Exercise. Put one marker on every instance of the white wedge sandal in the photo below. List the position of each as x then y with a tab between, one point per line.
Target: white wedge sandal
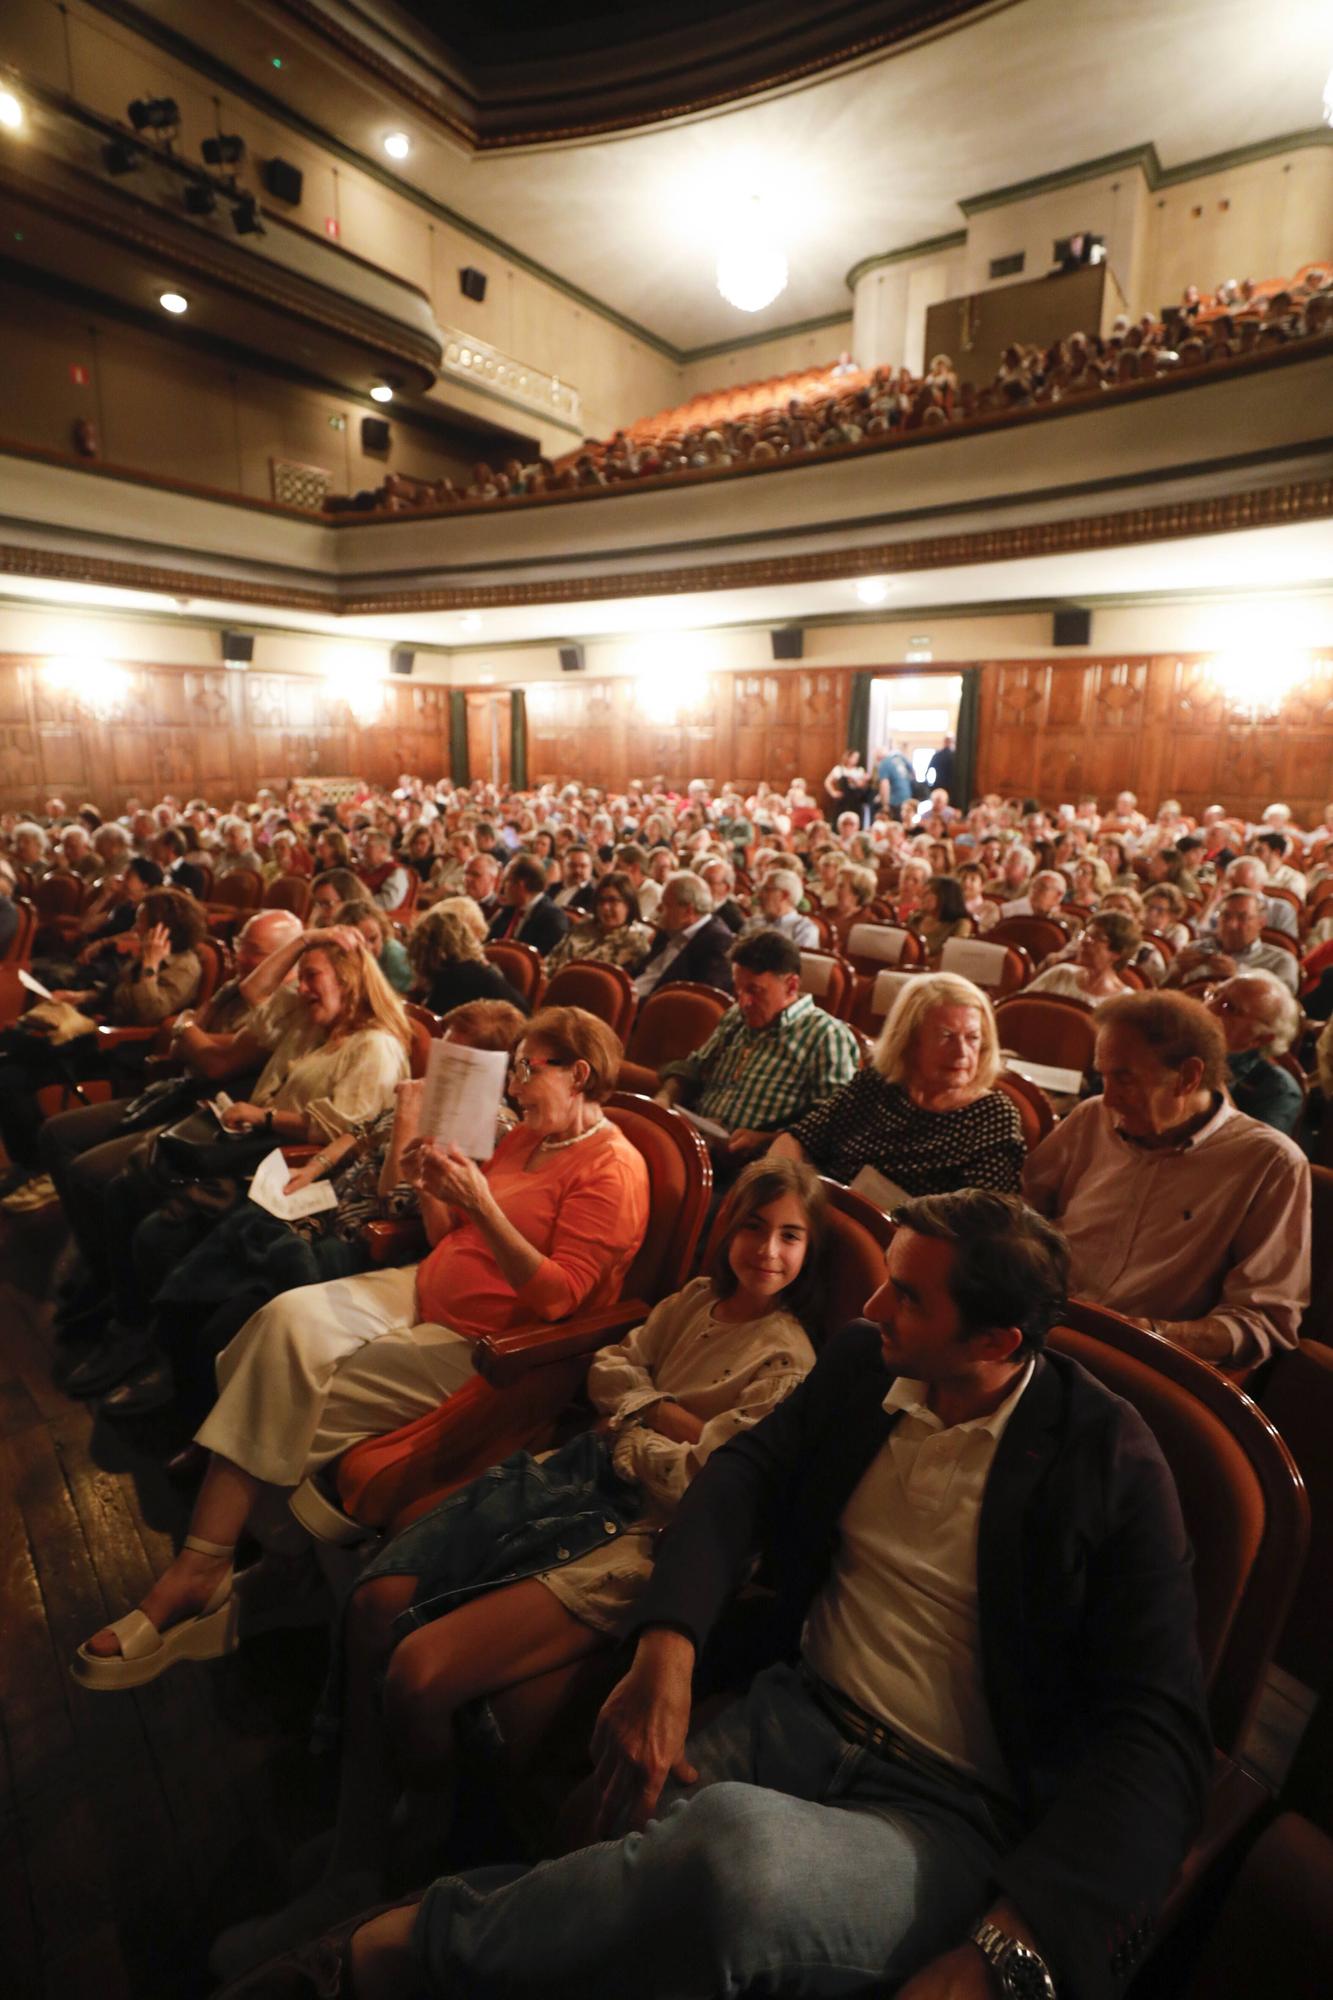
145	1652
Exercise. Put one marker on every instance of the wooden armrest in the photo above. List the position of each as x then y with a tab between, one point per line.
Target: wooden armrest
506	1357
396	1240
124	1038
297	1156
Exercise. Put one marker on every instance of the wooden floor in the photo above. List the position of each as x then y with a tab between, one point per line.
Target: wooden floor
133	1827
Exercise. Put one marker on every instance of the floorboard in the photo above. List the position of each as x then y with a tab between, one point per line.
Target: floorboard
133	1827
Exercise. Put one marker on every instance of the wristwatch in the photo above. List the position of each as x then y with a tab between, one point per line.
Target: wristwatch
1020	1972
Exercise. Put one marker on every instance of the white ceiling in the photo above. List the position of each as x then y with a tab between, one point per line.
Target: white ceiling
877	157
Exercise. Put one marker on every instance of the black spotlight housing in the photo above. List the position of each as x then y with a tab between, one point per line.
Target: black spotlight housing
154	114
226	150
245	217
121	156
200	199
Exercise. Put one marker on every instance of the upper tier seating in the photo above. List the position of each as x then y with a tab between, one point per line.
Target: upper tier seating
839	406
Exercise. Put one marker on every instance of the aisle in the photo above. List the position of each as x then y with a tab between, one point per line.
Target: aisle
132	1826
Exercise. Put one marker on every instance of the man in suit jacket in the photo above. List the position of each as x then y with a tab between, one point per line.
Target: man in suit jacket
577	891
527	915
982	1749
691	942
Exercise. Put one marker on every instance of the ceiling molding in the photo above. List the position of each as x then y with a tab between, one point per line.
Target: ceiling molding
933	246
792	332
1144	159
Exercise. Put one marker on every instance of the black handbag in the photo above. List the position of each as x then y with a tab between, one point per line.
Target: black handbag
199	1149
165	1099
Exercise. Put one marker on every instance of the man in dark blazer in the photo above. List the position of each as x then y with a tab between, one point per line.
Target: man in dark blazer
979	1750
691	942
527	915
577	891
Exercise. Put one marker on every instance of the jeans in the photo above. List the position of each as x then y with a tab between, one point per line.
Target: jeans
798	1864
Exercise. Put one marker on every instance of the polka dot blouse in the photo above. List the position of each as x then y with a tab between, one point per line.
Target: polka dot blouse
871	1123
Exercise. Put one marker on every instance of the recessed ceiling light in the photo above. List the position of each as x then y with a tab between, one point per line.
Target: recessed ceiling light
11	111
397	145
174	302
471	621
872	589
381	393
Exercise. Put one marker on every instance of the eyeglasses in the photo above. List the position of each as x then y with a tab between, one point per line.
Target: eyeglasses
524	1071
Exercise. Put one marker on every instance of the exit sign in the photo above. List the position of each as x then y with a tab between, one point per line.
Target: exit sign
78	374
331	227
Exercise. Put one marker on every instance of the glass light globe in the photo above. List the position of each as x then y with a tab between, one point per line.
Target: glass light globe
751	272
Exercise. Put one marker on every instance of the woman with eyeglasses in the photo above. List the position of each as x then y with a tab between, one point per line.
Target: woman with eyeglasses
613	934
549	1224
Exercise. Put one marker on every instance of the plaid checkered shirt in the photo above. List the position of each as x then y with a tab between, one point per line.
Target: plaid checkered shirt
762	1079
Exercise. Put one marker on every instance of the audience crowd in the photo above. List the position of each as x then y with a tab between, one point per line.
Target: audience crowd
824	409
1175	1189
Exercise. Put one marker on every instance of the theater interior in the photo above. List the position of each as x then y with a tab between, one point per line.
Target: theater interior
459	404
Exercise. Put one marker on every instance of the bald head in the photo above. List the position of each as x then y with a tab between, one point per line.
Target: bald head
267	931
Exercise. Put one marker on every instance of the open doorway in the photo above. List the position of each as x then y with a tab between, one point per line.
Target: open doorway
914	712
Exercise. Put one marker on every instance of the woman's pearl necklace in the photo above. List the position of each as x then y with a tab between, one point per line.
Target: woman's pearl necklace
555	1145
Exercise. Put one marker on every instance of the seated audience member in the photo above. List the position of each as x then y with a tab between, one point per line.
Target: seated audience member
1180	1211
942	915
526	914
385	948
1107	941
1247	872
235	855
445	946
551	1223
1271	848
336	1045
1235	946
449	869
328	893
856	891
252	1256
1045	893
1260	1021
925	1113
158	977
691	944
611	934
981	908
1035	1755
772	1057
778	909
1164	910
382	873
632	860
419	853
9	911
719	877
179	871
913	879
1114	851
706	1366
105	934
576	892
31	855
481	877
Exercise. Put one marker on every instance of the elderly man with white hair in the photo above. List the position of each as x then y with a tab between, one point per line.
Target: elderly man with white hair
1247	871
1045	893
778	900
1260	1020
692	943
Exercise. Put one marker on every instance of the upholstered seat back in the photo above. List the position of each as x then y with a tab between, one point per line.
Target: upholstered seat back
674	1022
521	965
997	968
604	990
829	980
678	1165
1043	1028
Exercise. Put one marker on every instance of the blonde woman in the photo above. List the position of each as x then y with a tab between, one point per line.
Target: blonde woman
925	1113
446	947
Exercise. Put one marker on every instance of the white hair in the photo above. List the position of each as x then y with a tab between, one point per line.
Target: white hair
691	890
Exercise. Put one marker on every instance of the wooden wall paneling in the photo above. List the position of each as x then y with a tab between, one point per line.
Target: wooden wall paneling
1008	753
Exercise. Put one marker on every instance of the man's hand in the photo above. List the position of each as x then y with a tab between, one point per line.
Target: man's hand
962	1974
743	1142
639	1738
244	1117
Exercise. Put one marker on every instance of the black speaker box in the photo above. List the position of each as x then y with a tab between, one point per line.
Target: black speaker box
788	642
1072	627
402	660
283	180
571	659
375	434
238	646
472	283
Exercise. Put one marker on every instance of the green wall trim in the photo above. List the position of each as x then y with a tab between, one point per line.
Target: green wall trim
797	327
1143	158
1241	156
930	246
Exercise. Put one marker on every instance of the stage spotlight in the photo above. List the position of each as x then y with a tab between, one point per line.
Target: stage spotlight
155	114
121	157
245	217
226	150
200	199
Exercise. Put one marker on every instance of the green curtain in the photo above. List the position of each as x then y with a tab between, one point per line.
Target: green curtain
965	742
858	718
458	765
518	741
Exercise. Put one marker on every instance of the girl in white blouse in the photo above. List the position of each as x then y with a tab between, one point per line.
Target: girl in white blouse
540	1562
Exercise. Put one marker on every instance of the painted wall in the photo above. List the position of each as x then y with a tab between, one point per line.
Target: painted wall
1264	219
786	355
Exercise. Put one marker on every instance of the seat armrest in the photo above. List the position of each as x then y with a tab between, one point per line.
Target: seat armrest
1234	1799
395	1240
124	1038
299	1156
506	1357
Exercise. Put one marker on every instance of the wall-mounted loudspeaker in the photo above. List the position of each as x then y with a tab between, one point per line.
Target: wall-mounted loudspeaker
238	648
375	434
401	660
472	283
788	642
283	180
1072	627
571	659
